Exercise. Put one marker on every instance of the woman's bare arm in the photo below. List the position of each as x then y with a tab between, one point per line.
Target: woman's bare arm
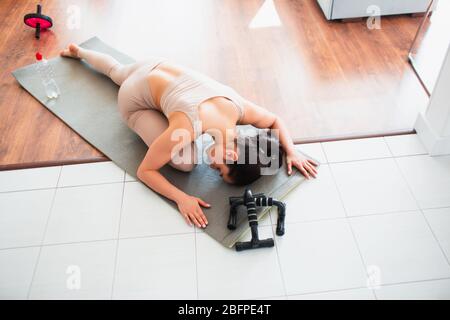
264	119
159	154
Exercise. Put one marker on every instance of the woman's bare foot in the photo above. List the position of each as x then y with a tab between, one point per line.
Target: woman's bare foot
72	51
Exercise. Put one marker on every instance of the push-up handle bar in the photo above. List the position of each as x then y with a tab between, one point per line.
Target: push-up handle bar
252	202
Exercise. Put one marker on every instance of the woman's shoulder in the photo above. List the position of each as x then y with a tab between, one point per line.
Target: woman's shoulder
180	125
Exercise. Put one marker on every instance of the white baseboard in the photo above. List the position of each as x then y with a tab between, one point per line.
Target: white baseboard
435	144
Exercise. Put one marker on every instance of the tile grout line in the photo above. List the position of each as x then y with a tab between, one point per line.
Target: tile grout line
97	240
270	216
118	239
358	216
347	218
43	237
413	282
157	235
421	210
267	297
378	158
360	160
390	284
283	281
422	213
389	148
185	233
383	285
90	184
404	155
326	291
357	288
131	181
324	154
196	261
65	187
435	237
355	239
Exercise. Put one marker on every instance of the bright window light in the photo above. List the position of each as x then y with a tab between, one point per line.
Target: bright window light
267	16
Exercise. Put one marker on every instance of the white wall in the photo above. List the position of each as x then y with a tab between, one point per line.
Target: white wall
440	100
433	126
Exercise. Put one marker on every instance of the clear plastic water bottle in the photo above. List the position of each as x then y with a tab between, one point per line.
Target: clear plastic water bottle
44	69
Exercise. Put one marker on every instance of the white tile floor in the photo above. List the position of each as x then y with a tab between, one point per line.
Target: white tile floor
374	225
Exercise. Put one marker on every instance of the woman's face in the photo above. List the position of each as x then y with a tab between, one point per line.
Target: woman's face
217	157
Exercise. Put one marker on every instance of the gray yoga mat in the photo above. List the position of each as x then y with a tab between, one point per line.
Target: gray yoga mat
88	104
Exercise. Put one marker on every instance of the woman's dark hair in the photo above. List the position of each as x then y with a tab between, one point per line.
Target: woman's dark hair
258	154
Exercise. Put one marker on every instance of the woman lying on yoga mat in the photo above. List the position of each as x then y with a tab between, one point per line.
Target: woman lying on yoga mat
165	103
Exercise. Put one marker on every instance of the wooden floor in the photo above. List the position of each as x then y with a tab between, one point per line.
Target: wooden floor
328	80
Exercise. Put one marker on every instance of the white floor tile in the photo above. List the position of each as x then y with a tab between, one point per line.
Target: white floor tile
426	290
405	145
16	272
129	178
266	220
320	256
373	186
273	298
85	213
354	294
313	200
319	260
146	214
226	274
313	150
356	149
439	220
90	173
75	271
401	247
160	267
23	217
27	179
429	179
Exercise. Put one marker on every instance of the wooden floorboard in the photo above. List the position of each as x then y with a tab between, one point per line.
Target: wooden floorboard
328	80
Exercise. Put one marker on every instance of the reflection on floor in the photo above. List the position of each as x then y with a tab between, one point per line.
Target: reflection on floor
374	225
430	48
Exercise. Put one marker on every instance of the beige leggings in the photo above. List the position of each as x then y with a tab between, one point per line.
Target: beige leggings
135	102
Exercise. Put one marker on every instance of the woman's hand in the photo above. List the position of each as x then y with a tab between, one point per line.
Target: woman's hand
190	209
306	166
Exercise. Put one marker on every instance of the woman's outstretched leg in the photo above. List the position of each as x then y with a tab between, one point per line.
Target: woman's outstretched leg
101	62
